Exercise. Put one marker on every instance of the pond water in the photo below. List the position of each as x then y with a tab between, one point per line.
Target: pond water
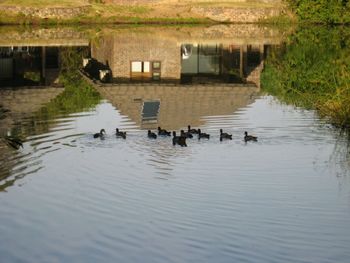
67	197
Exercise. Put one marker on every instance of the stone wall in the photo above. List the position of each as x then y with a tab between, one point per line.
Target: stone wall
55	36
236	15
52	12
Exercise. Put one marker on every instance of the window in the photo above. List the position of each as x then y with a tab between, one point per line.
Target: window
156	76
156	65
150	111
136	66
145	70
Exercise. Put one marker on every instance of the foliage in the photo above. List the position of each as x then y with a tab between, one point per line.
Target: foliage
78	94
322	11
312	70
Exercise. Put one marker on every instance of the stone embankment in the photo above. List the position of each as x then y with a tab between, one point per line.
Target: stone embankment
233	11
57	36
46	12
236	15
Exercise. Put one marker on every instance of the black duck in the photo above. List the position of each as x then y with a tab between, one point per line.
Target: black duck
180	140
248	138
224	135
151	135
120	133
163	132
186	134
13	142
100	134
193	131
202	135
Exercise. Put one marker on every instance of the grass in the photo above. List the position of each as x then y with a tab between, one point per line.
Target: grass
20	19
312	70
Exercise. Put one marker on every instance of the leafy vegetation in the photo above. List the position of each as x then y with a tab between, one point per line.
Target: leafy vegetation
322	11
312	70
78	95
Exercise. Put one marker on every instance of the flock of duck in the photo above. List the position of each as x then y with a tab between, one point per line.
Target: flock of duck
181	139
16	143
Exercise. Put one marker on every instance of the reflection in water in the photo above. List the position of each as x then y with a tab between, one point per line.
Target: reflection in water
95	200
174	106
183	57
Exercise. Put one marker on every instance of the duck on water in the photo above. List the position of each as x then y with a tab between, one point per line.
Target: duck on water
120	133
203	135
248	138
163	132
100	134
193	131
151	135
180	140
224	135
13	142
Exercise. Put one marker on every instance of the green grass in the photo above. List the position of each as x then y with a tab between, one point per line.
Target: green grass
313	71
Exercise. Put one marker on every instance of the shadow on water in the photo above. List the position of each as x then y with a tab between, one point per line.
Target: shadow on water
40	106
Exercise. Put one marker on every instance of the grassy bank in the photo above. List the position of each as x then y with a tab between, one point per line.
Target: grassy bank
312	71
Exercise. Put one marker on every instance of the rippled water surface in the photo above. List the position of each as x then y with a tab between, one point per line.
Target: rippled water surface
79	199
67	197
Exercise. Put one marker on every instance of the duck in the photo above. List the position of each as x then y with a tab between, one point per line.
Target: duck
13	142
249	137
202	135
120	133
151	135
180	140
224	135
100	134
163	132
186	134
193	131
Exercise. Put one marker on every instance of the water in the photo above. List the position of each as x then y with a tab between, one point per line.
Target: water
67	197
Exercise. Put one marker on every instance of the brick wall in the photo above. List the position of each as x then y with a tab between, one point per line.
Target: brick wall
120	49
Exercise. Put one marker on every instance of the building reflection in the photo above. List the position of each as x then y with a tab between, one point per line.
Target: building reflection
139	58
173	81
26	65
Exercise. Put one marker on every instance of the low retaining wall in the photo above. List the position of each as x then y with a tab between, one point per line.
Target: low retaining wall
236	15
52	12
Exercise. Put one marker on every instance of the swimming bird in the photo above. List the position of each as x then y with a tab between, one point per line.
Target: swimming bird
249	137
120	133
186	134
100	134
13	142
202	135
151	135
194	131
180	140
163	132
224	135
